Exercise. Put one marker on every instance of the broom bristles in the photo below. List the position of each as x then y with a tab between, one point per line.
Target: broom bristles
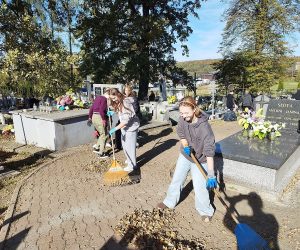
115	164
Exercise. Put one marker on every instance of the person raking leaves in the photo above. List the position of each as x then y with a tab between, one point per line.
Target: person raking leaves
98	117
129	124
196	136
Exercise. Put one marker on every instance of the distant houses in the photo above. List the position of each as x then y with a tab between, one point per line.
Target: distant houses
206	78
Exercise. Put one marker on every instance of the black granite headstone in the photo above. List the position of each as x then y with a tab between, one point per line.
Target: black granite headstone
284	111
265	153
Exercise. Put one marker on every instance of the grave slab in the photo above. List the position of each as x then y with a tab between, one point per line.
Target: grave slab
264	164
54	131
261	164
265	153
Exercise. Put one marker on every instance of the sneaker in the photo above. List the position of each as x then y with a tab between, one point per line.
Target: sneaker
95	146
108	145
96	150
128	169
161	205
103	155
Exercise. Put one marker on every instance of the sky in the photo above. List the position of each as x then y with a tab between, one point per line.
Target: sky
205	40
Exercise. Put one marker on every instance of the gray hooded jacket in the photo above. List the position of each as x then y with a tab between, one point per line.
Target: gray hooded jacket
128	116
199	136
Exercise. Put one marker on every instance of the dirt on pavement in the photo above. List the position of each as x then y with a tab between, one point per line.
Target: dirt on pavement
65	206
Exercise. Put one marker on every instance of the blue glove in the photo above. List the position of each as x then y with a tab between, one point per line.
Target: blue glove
211	183
187	150
110	113
113	130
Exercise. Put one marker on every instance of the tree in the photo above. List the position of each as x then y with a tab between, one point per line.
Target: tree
231	70
258	28
21	28
36	73
32	60
124	40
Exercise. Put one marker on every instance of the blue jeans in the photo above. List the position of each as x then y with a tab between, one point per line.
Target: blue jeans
202	202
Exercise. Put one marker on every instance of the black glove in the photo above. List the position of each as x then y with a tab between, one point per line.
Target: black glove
89	122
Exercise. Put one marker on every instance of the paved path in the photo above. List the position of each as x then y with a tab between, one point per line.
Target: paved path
65	206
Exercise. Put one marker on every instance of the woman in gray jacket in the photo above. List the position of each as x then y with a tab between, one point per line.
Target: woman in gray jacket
129	124
195	136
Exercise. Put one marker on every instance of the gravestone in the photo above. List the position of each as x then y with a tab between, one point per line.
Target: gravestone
284	111
261	101
264	164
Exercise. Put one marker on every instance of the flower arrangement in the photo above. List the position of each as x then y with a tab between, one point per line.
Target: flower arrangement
8	129
171	99
254	123
70	99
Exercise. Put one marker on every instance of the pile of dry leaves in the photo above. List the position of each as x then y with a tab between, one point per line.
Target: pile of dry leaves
145	229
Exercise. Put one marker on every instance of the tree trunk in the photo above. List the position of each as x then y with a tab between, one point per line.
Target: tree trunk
144	77
144	64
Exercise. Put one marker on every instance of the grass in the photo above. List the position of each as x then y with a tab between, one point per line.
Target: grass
289	86
201	91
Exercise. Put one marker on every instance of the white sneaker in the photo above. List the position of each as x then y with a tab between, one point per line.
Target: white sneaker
95	146
108	145
128	169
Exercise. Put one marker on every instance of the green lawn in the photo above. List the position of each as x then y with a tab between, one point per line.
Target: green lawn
288	85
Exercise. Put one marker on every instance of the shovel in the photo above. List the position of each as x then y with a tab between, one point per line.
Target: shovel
247	238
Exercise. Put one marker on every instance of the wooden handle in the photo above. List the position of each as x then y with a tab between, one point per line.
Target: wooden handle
215	190
112	141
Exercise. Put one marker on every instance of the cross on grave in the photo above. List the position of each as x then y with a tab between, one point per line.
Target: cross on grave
261	101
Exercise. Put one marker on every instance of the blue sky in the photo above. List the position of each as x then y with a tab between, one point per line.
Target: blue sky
205	40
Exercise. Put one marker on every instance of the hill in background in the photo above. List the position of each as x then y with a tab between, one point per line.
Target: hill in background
198	66
206	66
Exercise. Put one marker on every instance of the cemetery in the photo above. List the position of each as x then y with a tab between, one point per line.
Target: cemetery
149	125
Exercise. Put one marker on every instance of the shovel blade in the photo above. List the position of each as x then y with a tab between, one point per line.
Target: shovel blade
248	239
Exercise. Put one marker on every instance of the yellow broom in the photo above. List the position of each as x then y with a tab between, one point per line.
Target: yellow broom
115	175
